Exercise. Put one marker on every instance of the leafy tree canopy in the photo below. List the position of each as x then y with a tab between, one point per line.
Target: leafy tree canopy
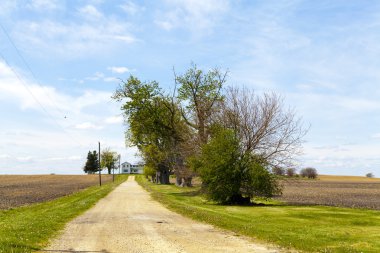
231	176
108	159
155	124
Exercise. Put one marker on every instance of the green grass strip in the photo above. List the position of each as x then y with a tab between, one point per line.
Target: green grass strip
304	228
29	228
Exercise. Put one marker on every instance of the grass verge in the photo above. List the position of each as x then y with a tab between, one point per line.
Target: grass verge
304	228
27	229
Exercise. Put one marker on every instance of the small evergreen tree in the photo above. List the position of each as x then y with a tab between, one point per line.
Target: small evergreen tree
92	163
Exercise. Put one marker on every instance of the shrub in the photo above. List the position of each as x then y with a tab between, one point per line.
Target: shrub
290	172
370	175
230	176
149	173
309	173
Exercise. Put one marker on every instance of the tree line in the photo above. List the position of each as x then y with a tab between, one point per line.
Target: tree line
231	137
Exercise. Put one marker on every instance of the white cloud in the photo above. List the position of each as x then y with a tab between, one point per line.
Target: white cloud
28	95
118	70
74	157
166	25
111	79
192	14
43	5
5	156
7	7
131	8
97	76
90	12
25	158
87	125
358	104
63	158
73	39
342	159
125	38
114	120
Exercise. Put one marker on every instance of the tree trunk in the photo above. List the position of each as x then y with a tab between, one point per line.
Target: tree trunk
238	199
162	175
178	180
187	182
157	177
201	130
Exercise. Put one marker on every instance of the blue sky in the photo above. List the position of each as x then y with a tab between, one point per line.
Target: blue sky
64	60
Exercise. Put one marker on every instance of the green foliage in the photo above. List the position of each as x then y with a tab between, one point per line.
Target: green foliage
149	172
370	175
219	167
200	88
108	159
200	94
229	175
92	163
259	182
155	124
139	109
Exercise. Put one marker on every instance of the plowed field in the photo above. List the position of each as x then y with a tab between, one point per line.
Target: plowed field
358	192
22	190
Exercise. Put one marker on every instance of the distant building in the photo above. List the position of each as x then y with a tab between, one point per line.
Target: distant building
128	168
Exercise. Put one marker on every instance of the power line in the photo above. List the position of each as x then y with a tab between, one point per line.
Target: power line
27	65
27	88
38	102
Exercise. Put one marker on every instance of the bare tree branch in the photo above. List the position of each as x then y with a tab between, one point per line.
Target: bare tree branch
263	126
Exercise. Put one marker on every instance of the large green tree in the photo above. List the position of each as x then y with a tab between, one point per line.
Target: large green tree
200	94
92	163
155	125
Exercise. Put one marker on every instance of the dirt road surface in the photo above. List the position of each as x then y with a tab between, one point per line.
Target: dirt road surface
128	220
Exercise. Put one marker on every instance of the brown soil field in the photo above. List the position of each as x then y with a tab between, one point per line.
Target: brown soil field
19	190
344	191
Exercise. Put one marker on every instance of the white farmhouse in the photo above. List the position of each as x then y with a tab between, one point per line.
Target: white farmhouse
128	168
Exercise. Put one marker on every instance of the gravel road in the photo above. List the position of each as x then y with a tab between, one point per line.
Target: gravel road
128	220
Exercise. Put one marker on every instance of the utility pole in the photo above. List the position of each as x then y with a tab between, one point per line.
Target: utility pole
100	171
119	163
113	171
